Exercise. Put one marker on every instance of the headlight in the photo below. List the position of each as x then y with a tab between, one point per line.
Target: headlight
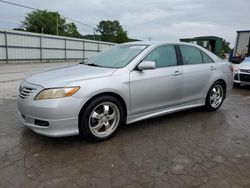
236	69
57	93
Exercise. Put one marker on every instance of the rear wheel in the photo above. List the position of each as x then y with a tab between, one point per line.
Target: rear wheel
215	96
101	119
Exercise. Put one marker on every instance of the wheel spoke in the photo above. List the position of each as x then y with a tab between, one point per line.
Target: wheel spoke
217	102
106	109
214	90
95	115
212	98
107	125
98	126
218	92
111	116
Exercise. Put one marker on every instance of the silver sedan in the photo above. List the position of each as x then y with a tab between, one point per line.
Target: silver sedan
122	85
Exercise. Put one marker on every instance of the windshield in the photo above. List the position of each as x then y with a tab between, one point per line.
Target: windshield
117	56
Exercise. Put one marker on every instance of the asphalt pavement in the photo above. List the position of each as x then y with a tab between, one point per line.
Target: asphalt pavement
193	148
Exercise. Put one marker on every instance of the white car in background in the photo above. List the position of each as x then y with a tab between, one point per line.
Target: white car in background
242	73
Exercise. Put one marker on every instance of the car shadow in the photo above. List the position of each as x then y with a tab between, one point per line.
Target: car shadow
245	87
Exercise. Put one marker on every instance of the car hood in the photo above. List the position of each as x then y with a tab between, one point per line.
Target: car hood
244	65
62	76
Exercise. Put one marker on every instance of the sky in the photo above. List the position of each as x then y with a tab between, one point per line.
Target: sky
161	20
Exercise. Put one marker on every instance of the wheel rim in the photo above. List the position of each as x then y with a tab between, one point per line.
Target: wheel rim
216	96
104	119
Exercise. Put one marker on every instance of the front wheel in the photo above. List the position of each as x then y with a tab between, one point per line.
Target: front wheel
101	118
215	96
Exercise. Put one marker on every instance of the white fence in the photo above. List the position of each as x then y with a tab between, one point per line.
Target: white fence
16	46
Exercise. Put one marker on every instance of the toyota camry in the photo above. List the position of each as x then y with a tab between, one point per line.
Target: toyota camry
124	84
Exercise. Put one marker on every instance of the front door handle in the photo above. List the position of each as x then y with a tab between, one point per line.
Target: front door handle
177	73
212	68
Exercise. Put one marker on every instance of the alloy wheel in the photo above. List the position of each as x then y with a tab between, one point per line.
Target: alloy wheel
216	96
104	119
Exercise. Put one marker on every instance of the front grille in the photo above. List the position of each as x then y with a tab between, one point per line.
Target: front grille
245	77
25	92
236	77
245	70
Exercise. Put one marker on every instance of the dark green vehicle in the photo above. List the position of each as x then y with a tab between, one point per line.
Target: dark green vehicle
211	43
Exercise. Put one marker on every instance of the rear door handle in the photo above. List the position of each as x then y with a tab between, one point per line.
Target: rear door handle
177	73
212	68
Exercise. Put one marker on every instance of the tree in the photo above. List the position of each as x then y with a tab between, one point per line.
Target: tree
19	29
225	46
42	21
71	30
121	36
112	31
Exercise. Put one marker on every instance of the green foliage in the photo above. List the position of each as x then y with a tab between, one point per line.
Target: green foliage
112	31
225	46
42	21
121	36
19	29
71	30
92	37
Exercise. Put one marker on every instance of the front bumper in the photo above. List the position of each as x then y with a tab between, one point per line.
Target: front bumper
60	115
56	128
242	78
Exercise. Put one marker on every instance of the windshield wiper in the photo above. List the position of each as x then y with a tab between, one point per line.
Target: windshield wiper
92	64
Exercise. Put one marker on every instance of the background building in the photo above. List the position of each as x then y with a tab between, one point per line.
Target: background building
242	43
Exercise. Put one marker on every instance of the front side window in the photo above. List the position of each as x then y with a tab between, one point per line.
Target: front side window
191	55
163	56
117	56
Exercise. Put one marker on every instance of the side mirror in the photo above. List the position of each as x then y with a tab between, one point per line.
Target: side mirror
146	65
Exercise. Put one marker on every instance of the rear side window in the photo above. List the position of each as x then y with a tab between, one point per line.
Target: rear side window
206	58
191	55
163	56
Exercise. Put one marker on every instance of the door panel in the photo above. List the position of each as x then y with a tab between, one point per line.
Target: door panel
197	72
196	79
158	88
154	89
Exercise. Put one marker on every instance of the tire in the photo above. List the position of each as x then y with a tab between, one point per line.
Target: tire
215	96
101	119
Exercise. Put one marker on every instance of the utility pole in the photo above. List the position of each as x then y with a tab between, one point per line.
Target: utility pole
94	33
57	23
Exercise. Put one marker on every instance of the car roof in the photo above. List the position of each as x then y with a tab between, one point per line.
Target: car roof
155	43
